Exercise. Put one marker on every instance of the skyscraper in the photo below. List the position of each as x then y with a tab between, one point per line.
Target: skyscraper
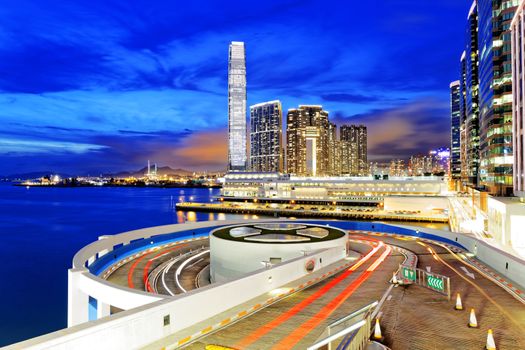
455	116
471	108
463	118
354	150
495	94
518	119
334	152
266	154
307	146
237	107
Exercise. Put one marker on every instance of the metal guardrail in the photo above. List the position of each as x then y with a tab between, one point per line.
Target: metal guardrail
359	331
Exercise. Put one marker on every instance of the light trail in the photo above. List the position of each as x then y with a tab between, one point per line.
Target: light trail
145	272
181	267
263	330
135	264
306	327
478	288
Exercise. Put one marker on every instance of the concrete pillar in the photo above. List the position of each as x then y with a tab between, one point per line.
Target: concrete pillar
103	309
77	301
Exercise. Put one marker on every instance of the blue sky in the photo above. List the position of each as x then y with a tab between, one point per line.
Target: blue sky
100	86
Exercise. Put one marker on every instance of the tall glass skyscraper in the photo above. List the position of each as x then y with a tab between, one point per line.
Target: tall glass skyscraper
237	107
463	117
455	116
266	153
518	101
471	98
495	97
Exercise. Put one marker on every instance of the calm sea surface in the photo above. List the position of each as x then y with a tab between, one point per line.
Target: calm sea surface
42	228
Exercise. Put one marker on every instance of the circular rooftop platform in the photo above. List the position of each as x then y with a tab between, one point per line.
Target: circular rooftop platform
283	233
240	249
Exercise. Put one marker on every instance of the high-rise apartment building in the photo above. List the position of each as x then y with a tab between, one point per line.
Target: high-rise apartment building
397	168
237	155
518	90
266	151
495	94
307	146
455	118
420	165
353	139
334	147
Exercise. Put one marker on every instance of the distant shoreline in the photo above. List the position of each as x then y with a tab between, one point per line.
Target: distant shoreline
114	185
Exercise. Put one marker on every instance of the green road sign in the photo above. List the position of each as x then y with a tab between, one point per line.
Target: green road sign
435	283
409	274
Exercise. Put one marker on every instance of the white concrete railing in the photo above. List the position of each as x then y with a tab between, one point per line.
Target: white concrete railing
82	284
145	324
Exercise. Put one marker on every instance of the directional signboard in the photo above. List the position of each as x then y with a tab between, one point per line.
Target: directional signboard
409	274
435	283
424	278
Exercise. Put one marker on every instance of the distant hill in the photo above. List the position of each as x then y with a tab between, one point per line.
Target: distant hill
33	175
164	170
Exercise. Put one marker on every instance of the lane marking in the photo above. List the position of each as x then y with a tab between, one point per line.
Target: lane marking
264	329
306	327
467	272
480	290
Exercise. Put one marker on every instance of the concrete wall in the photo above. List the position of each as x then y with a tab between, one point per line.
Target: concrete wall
140	326
506	221
232	259
135	328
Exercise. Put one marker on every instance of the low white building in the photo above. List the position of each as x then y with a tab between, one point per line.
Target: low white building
274	185
506	222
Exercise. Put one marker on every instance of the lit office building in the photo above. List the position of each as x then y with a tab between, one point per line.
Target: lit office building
470	86
266	153
307	146
237	157
495	94
463	118
518	119
440	160
353	140
455	118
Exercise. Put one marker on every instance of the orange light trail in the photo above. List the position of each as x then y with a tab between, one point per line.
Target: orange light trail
300	332
261	331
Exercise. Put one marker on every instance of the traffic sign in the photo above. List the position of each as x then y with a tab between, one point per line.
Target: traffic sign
435	283
409	274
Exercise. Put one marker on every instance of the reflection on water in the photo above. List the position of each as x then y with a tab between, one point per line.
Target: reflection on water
191	216
180	217
431	225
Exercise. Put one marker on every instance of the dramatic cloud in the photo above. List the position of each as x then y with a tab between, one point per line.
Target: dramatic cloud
105	85
405	130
